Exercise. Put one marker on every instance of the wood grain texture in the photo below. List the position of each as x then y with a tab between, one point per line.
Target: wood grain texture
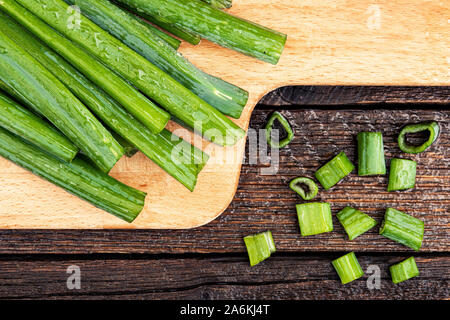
266	202
375	96
217	277
341	42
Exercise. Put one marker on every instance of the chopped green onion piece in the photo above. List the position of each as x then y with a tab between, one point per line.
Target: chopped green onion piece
432	127
297	186
286	126
404	270
403	228
334	171
355	222
314	218
348	268
402	175
259	247
371	154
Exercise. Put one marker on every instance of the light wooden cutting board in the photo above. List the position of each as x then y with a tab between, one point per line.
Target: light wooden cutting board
345	42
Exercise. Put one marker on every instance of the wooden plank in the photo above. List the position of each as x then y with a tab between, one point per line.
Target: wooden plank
218	277
337	42
265	202
348	95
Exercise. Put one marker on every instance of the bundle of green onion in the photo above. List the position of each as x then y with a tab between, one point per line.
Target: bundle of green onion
86	76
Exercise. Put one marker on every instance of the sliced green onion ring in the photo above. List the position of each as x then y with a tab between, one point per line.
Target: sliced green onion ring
298	186
286	126
432	127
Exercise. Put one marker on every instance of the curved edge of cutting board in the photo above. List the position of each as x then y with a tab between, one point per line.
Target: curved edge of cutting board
224	204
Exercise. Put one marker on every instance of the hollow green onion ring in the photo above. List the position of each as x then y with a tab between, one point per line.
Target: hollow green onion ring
312	189
286	126
432	127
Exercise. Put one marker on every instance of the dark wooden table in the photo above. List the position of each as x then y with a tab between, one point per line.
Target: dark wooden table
211	263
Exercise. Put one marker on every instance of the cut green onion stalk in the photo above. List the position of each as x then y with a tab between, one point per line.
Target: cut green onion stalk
404	270
160	148
402	175
299	184
220	4
33	129
78	177
314	218
217	26
403	228
286	126
433	129
225	97
348	268
259	247
151	80
334	171
22	72
371	154
355	222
